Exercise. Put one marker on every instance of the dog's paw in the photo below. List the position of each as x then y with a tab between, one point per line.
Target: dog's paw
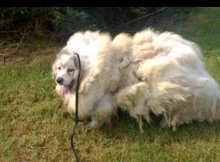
164	124
140	123
95	124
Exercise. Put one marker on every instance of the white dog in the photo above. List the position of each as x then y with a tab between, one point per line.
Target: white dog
98	80
150	72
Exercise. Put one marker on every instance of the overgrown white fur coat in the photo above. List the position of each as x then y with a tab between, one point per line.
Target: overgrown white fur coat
154	72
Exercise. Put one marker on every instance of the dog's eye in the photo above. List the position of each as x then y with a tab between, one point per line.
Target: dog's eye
70	70
59	68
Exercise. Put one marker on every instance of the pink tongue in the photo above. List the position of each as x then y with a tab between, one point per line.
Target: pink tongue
65	90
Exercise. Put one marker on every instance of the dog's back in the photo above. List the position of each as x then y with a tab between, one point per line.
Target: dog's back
177	85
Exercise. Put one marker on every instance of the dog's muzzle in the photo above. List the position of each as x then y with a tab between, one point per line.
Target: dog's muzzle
59	80
64	89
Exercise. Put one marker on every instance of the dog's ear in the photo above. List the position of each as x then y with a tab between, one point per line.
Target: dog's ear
75	59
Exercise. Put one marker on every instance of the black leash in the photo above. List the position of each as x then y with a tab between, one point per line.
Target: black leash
76	113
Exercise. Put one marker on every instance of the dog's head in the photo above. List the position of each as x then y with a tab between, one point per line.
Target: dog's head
65	72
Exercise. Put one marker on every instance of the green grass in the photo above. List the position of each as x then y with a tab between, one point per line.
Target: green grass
33	126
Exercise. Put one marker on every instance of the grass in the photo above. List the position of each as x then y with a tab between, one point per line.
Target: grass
34	128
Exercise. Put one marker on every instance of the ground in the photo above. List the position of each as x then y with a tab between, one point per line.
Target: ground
34	126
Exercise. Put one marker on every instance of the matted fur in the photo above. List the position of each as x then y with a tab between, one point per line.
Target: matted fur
173	81
154	72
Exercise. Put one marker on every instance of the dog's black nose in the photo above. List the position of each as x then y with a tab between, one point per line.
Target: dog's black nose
59	80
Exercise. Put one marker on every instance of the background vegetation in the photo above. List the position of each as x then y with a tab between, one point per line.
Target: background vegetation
60	22
33	125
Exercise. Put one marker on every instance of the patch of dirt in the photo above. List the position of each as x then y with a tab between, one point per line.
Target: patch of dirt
13	58
26	56
22	47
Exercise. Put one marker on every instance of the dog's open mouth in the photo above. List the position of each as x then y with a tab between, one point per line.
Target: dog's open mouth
65	90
